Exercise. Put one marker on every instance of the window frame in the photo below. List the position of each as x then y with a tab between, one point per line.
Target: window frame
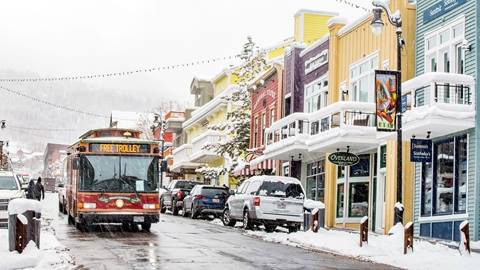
357	76
318	93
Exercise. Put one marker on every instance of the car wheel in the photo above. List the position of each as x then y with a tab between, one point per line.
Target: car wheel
294	228
270	227
227	219
247	222
174	208
163	209
193	213
146	226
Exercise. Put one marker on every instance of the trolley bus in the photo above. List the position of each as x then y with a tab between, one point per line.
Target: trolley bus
112	177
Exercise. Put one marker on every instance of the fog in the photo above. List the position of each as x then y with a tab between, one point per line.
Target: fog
68	38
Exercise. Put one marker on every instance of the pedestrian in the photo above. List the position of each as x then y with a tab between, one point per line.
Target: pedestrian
31	189
39	191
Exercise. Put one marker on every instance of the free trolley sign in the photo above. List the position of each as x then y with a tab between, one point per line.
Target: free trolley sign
420	150
343	159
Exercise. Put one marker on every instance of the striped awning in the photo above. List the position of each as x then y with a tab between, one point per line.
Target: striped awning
262	166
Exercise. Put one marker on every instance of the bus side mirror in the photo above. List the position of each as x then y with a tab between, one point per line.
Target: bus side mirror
163	166
76	163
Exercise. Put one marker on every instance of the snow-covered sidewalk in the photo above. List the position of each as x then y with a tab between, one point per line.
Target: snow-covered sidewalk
51	255
385	249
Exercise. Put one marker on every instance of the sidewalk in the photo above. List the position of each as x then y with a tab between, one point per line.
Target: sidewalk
51	255
386	249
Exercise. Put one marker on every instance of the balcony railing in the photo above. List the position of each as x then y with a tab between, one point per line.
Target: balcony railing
439	88
338	115
182	153
198	144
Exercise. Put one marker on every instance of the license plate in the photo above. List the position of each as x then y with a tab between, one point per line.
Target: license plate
138	219
216	200
281	205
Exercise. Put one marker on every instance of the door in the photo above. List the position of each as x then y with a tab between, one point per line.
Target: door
380	203
236	201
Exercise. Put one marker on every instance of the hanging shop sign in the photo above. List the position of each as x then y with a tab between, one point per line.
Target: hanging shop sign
440	8
386	89
420	150
343	159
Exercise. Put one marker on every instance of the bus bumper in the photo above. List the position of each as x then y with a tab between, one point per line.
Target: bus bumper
90	218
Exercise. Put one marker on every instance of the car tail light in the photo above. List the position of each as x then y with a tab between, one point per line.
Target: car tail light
199	197
180	195
256	201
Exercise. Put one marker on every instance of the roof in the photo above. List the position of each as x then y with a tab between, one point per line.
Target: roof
273	178
118	140
314	45
90	132
316	12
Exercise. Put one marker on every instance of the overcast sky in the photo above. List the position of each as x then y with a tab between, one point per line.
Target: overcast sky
81	37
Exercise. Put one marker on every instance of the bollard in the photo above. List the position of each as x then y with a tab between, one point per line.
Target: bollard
23	228
363	230
314	220
21	235
465	235
408	237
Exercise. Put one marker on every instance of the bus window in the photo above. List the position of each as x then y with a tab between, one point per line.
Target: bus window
119	173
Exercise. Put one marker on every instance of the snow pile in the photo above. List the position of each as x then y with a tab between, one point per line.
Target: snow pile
386	249
311	204
20	206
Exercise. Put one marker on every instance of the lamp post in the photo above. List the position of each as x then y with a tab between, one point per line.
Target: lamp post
158	122
377	25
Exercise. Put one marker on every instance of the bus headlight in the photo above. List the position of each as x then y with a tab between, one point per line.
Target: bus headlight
89	205
119	203
149	206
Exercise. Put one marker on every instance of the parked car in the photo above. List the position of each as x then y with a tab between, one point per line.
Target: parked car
270	201
62	198
172	198
205	200
10	188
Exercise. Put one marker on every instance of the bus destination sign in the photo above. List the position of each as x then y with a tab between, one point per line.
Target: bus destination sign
119	148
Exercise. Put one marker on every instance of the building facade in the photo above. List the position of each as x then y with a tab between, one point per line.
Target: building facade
341	118
443	95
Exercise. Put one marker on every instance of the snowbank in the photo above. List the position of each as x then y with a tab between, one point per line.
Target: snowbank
386	249
311	204
20	206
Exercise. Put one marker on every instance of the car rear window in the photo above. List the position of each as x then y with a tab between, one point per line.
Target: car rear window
185	185
281	189
8	183
211	192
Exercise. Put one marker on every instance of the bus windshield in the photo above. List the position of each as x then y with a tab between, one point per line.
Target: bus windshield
119	173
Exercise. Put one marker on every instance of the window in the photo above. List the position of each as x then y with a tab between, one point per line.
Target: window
358	199
316	94
443	51
255	132
272	117
340	200
444	183
316	180
263	126
362	79
362	168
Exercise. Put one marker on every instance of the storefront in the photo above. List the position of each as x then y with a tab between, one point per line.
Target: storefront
445	188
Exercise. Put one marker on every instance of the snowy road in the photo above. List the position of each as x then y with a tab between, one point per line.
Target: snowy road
180	243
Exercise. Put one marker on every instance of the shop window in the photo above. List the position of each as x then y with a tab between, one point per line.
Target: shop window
383	156
340	200
358	199
445	181
316	180
427	188
362	168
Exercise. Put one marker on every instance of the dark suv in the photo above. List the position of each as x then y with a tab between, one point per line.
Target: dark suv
205	200
172	198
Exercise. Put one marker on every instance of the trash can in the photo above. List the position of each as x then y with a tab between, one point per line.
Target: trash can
24	222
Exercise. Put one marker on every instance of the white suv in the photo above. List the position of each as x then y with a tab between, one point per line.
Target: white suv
10	188
267	200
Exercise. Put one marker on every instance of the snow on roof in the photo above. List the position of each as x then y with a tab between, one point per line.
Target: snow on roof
272	178
337	20
317	12
20	206
315	44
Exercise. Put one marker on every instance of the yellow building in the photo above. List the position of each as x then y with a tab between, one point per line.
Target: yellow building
343	119
189	157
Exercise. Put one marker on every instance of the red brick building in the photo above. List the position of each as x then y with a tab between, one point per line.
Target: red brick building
266	108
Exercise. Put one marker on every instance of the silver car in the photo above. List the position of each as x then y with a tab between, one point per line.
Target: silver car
270	201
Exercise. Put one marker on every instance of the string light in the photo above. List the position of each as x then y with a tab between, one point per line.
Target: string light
58	106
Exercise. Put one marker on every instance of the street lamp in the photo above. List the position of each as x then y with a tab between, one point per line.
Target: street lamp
158	122
377	25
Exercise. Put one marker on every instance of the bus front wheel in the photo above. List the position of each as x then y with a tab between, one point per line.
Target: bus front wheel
146	226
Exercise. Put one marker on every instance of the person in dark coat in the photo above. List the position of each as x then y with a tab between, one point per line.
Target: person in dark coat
39	191
30	189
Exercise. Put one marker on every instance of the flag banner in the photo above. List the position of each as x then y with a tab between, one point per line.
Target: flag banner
386	87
